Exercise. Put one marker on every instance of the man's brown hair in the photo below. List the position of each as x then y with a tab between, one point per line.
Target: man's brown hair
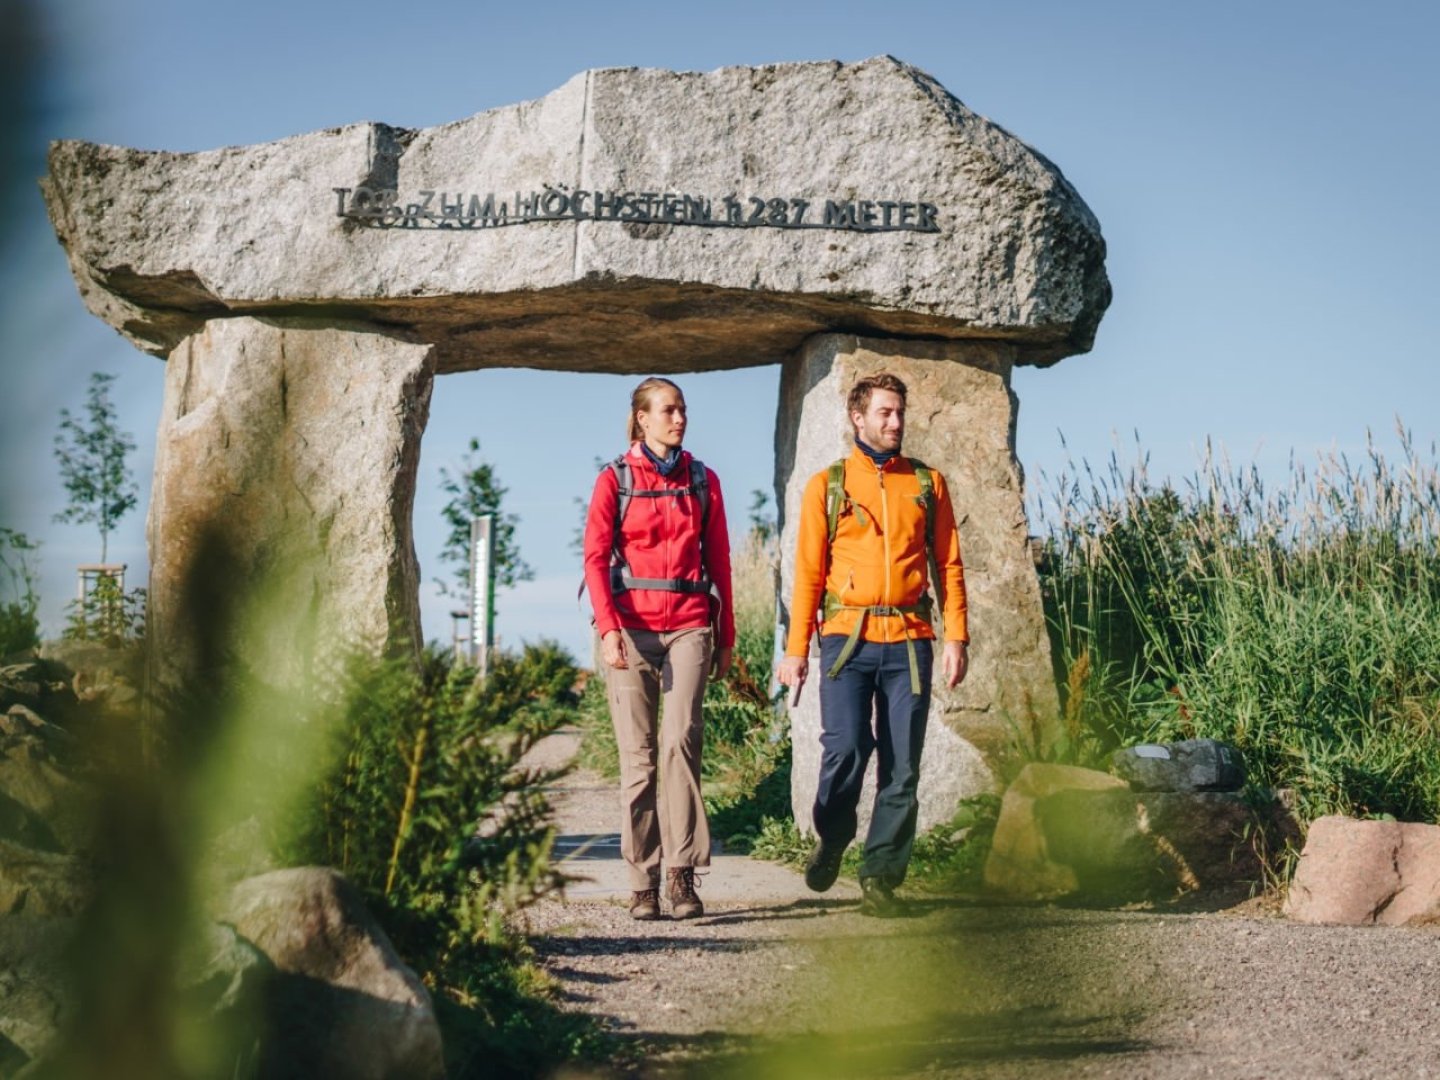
860	393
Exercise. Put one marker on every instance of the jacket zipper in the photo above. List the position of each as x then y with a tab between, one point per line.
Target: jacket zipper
885	530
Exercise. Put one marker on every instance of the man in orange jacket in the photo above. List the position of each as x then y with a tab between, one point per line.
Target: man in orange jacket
870	528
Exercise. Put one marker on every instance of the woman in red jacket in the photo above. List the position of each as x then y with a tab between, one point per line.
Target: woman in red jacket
657	564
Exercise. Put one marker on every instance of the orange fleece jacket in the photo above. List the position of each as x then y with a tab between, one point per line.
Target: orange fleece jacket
878	556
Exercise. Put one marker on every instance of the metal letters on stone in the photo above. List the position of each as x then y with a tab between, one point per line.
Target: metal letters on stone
384	208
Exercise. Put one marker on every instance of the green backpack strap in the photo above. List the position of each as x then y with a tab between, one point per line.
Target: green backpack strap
926	499
835	499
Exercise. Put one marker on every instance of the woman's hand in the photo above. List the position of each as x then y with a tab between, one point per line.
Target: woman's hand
612	650
723	656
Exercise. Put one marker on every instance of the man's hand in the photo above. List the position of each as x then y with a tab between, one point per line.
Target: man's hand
792	673
612	650
723	656
957	661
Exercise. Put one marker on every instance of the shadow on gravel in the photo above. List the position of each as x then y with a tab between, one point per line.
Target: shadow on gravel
963	1042
797	909
622	945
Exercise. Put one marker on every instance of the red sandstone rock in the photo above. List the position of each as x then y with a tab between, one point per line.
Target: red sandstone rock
1360	873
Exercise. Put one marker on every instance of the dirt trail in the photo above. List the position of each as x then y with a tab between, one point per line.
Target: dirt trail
776	981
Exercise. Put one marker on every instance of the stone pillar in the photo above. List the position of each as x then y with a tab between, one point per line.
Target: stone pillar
960	421
280	518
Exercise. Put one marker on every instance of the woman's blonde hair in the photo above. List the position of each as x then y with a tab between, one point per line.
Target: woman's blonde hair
640	402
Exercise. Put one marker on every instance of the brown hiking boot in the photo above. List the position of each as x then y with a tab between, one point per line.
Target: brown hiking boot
680	889
645	904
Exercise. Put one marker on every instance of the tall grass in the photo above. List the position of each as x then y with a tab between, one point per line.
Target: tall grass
1298	623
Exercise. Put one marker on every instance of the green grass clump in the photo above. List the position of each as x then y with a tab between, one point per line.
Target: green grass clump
949	857
1298	624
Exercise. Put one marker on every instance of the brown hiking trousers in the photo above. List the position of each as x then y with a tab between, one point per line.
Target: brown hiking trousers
664	820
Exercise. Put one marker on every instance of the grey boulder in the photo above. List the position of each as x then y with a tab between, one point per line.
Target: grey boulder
1189	765
342	1003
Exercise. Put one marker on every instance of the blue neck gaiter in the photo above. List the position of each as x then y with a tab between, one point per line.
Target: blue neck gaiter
879	457
666	465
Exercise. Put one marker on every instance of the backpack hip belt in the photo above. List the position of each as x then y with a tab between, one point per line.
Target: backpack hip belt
833	605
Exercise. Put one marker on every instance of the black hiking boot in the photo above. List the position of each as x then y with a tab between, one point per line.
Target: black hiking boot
823	866
878	899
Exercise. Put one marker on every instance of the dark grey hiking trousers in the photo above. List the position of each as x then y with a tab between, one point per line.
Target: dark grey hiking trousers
873	684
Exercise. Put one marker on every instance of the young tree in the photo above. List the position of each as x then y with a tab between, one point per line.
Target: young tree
473	491
19	627
92	463
762	521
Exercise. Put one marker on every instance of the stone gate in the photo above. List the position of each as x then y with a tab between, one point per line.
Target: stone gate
833	218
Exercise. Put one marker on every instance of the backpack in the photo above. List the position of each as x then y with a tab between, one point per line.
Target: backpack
620	576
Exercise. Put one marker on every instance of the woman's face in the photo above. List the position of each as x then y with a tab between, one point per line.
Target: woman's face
662	422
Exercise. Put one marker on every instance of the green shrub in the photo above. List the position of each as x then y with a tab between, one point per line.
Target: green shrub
107	614
429	809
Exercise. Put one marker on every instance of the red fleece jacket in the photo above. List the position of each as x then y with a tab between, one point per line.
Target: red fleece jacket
661	538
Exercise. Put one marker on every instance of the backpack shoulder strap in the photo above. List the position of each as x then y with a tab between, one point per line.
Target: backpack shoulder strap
926	499
624	490
835	498
700	484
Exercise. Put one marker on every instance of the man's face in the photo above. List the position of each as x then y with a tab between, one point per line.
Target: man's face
882	425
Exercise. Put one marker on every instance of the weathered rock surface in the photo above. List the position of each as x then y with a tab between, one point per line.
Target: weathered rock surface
41	804
44	883
96	672
1019	863
38	682
1188	765
160	243
1069	831
36	992
1360	873
343	1003
960	422
284	485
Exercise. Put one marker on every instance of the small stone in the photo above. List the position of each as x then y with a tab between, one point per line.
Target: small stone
26	715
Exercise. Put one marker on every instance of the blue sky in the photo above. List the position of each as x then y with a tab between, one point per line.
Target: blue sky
1264	175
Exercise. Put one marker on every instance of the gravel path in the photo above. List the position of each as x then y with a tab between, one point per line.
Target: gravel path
776	981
